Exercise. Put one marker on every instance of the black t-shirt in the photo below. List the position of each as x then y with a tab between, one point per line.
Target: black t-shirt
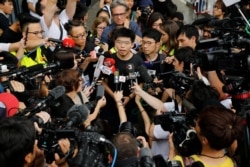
4	22
10	36
157	65
121	66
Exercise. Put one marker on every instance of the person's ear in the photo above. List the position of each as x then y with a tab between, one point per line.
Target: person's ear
28	158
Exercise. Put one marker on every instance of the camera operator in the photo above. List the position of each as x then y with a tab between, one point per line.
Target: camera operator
128	152
19	145
188	35
217	128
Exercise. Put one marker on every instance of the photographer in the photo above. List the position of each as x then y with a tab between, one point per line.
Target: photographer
217	128
19	145
128	152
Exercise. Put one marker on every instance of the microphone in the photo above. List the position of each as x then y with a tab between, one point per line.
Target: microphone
150	64
66	42
116	79
22	70
144	74
97	71
77	114
131	73
54	94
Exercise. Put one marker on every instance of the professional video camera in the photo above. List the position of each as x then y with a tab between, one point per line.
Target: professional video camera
184	138
92	150
181	82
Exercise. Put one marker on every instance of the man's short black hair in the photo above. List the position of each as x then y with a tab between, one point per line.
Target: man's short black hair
17	136
3	1
189	31
124	32
152	33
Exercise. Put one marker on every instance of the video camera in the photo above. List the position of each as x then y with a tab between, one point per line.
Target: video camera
184	138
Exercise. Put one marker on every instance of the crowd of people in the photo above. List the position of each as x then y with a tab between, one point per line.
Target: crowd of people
137	62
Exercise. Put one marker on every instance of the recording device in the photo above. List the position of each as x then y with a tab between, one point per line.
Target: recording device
76	115
131	74
186	142
99	92
66	42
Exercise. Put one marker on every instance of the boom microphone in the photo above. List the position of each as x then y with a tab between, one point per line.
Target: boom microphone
144	74
77	114
54	94
66	42
150	64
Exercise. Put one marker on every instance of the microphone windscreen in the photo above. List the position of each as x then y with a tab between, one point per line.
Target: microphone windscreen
68	43
109	62
80	112
144	74
57	92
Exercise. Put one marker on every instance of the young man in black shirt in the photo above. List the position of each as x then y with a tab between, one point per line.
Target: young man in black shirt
126	63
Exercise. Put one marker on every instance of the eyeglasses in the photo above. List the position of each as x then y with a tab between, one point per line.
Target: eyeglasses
100	28
80	36
37	32
118	14
147	43
123	42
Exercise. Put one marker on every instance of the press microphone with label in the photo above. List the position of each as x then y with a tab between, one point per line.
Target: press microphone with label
116	79
131	74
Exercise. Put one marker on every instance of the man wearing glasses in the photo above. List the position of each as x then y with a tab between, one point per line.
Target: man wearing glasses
32	53
118	11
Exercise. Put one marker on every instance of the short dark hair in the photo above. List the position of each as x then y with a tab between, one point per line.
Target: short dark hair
73	23
124	32
3	1
126	145
189	31
26	19
17	140
152	33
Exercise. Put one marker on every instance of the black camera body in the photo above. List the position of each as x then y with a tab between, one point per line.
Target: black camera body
185	141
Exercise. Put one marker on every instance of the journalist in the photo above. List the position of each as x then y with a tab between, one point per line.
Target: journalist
217	128
19	145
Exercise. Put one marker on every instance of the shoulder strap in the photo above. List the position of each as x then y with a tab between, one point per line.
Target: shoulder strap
80	96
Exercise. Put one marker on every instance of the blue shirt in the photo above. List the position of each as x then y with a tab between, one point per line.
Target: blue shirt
106	32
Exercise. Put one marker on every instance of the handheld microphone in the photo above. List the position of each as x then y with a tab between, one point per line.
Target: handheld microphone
116	79
97	71
54	94
144	74
77	114
66	42
131	73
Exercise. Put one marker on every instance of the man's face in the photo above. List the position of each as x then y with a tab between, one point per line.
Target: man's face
78	34
119	15
207	32
34	31
178	66
184	41
123	46
149	45
7	7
